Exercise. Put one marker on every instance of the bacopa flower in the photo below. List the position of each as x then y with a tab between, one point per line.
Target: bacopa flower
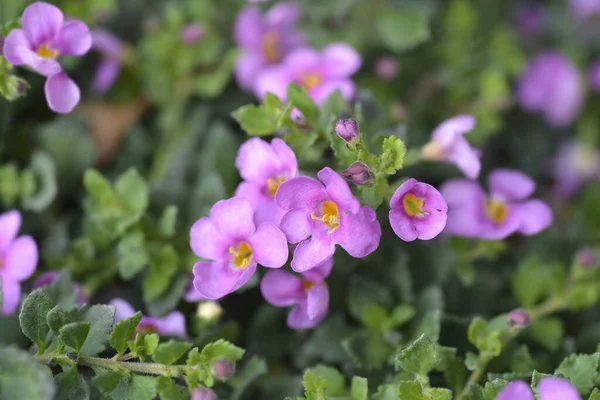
551	85
549	389
48	277
449	145
418	211
18	260
584	9
506	210
319	73
45	38
309	294
264	40
229	238
264	167
111	59
173	324
321	215
574	165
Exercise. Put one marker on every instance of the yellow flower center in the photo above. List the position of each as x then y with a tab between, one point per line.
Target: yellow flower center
273	185
413	205
329	215
306	284
146	328
432	151
269	46
45	52
496	210
310	80
242	255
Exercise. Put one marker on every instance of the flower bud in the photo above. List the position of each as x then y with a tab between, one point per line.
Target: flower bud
358	173
518	318
191	33
586	258
386	68
347	129
223	369
203	394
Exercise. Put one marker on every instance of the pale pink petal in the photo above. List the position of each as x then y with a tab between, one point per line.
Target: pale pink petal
233	218
10	222
311	252
62	93
273	80
535	216
447	131
281	288
346	87
215	279
73	39
338	190
11	296
341	60
41	21
208	242
557	389
248	67
300	192
320	272
123	310
297	225
173	324
517	390
317	302
269	246
256	160
359	234
298	317
20	259
286	155
510	184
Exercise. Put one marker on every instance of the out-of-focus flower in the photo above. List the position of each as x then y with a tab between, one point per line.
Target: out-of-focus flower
358	173
264	167
45	38
552	86
531	20
309	295
18	260
449	145
471	213
223	369
386	68
319	73
418	211
321	215
549	389
265	40
574	165
347	129
584	9
595	75
203	394
111	58
173	324
230	239
518	318
48	277
586	258
191	33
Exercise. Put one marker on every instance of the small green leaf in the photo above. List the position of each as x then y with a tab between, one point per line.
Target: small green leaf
535	280
255	121
44	174
75	334
221	349
141	388
151	343
166	225
56	319
23	377
167	390
132	255
368	350
581	370
33	320
171	351
402	314
548	332
419	357
163	266
359	389
336	384
315	387
132	190
107	381
410	390
595	394
392	156
123	332
493	388
404	29
298	96
71	386
439	394
252	370
96	184
102	318
62	291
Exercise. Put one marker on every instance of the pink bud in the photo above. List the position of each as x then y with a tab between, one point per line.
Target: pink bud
191	33
203	394
347	129
518	318
223	369
358	173
386	68
586	258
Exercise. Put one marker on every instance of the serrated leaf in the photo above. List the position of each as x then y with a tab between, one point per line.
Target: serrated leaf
151	343
368	350
141	388
439	394
75	334
581	370
167	390
123	332
315	386
62	291
132	190
107	381
392	156
336	383
595	395
493	388
387	392
101	318
221	349
171	351
56	319
255	121
298	96
32	318
132	255
22	377
410	390
71	386
359	389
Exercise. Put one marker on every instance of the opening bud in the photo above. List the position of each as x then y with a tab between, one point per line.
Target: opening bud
223	369
518	318
347	129
358	173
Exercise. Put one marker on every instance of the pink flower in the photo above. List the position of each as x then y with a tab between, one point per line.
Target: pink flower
309	295
505	211
386	68
584	9
320	73
575	164
448	144
321	215
264	167
191	33
418	211
111	58
549	389
45	37
18	260
48	277
173	324
234	245
203	394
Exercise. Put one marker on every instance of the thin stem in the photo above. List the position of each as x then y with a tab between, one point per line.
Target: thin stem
142	368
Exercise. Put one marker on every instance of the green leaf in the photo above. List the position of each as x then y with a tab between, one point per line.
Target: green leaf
132	255
62	291
419	357
141	388
392	156
493	388
163	266
123	332
221	349
298	96
167	390
253	368
410	390
595	394
255	121
368	350
315	386
439	394
167	222
404	29
132	190
42	167
96	184
23	377
535	279
387	392
402	314
71	386
75	334
336	384
547	332
107	381
56	319
581	370
344	153
456	374
32	318
101	318
171	351
359	389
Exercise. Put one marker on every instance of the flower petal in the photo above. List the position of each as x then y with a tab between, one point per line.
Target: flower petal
338	190
359	234
396	200
11	296
123	310
269	246
281	288
233	218
311	252
248	67
317	302
298	317
62	93
297	225
341	60
41	21
249	27
465	157
215	279
208	242
301	192
17	47
517	390
283	15
448	130
320	272
535	216
465	200
73	39
10	222
346	87
510	184
20	259
256	161
173	324
45	279
403	225
557	389
106	43
106	75
273	80
304	59
287	157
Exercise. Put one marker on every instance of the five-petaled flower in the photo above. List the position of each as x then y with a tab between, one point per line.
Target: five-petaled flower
505	211
418	211
173	324
321	215
549	389
264	167
45	37
308	294
229	238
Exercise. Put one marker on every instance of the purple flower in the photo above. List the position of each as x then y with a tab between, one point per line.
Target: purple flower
265	40
505	211
320	73
48	277
448	144
347	129
234	245
574	165
173	324
418	211
191	33
386	68
595	75
549	389
321	215
531	20
18	260
551	85
584	9
111	58
309	295
264	167
586	258
45	37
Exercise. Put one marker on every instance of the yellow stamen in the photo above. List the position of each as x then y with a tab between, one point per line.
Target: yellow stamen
242	255
496	210
310	80
273	185
45	52
329	215
432	151
269	46
413	205
307	284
